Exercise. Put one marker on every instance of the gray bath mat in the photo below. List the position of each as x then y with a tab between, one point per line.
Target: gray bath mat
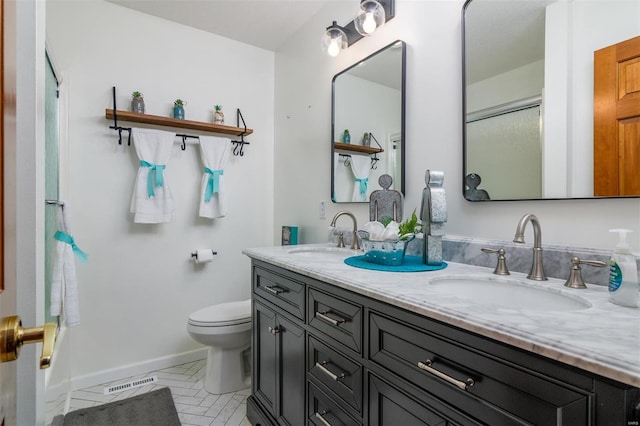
153	408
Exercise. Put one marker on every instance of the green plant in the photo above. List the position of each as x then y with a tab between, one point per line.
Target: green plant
137	94
410	226
179	102
218	107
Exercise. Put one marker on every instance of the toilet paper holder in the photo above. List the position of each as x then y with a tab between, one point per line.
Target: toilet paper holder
195	254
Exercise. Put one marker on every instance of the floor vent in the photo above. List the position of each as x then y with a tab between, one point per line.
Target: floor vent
130	385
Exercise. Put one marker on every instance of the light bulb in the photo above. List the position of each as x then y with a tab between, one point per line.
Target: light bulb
371	16
369	24
333	49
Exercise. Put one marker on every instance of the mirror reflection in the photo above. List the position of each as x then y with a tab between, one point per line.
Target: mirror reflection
367	125
530	68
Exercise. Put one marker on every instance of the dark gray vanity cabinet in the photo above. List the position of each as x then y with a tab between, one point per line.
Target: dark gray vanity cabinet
327	356
278	380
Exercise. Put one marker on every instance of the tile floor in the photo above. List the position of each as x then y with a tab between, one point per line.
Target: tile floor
195	406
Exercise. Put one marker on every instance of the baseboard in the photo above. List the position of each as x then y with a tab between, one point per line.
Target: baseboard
126	371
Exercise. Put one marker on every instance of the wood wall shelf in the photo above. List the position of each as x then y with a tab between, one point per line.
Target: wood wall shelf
356	148
173	122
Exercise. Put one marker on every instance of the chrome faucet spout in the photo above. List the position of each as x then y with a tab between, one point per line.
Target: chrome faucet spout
355	245
537	269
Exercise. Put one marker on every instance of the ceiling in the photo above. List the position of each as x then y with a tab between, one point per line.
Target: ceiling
263	23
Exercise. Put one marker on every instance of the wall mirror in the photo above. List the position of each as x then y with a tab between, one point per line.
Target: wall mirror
367	125
528	87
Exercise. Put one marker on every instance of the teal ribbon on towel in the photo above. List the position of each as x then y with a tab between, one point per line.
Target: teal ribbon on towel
155	172
363	185
68	239
213	185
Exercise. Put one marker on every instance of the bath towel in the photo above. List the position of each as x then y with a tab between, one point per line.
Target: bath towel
64	284
214	152
152	201
361	167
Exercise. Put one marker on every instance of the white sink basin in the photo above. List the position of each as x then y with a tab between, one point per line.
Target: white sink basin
324	252
508	294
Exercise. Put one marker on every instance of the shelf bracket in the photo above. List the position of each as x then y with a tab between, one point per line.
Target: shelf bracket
238	146
115	121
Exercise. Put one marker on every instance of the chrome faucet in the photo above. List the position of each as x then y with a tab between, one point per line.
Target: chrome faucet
537	271
355	245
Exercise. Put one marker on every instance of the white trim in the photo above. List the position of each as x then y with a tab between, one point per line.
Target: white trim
126	371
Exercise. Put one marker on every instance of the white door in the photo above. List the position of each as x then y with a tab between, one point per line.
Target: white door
22	400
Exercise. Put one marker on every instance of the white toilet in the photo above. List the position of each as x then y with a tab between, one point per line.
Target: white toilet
226	329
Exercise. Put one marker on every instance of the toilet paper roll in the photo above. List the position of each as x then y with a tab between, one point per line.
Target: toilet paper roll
204	255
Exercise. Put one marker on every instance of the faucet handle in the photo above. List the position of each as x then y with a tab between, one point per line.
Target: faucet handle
575	277
501	267
341	239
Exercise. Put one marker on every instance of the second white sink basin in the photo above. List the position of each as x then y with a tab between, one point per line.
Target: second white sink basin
507	294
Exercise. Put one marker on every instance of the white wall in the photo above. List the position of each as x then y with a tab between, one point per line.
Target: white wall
140	284
434	134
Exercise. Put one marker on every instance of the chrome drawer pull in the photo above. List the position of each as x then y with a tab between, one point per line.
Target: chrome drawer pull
323	316
273	290
274	330
321	366
426	366
319	417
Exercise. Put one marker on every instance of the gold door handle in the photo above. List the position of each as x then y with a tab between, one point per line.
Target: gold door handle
13	336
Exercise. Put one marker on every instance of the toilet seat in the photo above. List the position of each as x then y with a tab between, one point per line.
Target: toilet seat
222	315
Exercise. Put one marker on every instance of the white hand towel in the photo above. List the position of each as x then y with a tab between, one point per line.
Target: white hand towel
64	284
361	167
214	153
152	201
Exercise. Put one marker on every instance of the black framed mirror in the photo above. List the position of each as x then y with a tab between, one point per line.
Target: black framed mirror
528	98
368	102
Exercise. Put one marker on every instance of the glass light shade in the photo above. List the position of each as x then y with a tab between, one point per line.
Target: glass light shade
371	16
334	40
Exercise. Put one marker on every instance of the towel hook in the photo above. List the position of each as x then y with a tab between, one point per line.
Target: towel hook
184	143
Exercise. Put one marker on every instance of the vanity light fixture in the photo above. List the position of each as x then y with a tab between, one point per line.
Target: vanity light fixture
372	14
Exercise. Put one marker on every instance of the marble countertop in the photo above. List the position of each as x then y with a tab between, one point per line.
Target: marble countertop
603	339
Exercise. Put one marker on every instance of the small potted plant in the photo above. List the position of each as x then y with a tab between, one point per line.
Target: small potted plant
137	102
178	109
218	115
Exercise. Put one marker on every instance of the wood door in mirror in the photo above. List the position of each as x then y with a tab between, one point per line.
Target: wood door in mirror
617	123
528	105
368	125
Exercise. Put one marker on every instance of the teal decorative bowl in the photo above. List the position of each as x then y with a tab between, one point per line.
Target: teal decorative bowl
389	253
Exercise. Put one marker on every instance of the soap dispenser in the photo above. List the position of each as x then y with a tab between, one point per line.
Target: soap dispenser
623	274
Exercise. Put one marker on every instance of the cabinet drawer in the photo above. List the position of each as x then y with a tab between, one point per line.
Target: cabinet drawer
322	411
488	388
390	406
337	318
338	373
284	292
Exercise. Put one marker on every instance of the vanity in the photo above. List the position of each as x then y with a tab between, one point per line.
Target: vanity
333	344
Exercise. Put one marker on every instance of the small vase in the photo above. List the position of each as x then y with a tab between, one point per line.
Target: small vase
178	112
218	117
346	137
137	105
